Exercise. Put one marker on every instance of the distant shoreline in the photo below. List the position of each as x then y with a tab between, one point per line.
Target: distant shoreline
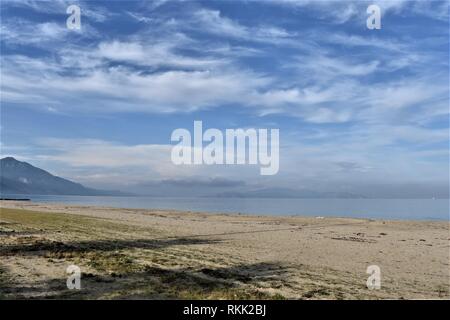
82	206
378	209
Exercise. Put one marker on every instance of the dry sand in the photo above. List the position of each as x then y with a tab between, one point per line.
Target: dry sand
127	253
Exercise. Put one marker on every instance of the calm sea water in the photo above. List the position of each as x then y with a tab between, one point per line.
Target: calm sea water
415	209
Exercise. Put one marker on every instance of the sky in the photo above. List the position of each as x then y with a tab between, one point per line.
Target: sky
358	110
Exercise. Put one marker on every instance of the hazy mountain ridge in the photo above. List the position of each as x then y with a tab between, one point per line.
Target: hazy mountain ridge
17	177
224	188
290	194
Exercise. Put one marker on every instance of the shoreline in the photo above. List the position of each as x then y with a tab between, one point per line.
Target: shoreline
237	213
291	257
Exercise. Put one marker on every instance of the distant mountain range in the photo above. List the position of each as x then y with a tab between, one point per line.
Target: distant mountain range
17	177
290	194
224	188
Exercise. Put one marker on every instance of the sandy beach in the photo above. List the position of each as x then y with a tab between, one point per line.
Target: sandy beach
155	254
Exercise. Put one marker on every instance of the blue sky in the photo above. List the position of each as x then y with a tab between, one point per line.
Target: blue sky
362	111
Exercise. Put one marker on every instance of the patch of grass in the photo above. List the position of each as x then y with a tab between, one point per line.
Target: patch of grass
315	293
181	284
62	222
114	263
278	296
443	291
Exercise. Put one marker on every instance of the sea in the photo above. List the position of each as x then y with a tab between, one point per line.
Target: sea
392	209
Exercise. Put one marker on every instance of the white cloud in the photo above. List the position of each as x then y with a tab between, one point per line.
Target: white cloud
45	35
24	32
122	89
212	21
102	90
325	68
154	54
151	75
337	11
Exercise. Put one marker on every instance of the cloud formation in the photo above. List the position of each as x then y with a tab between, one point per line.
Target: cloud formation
351	104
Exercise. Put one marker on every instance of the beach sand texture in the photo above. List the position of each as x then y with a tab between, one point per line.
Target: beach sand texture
157	254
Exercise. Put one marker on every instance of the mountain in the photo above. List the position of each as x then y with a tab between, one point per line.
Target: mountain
17	177
289	193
